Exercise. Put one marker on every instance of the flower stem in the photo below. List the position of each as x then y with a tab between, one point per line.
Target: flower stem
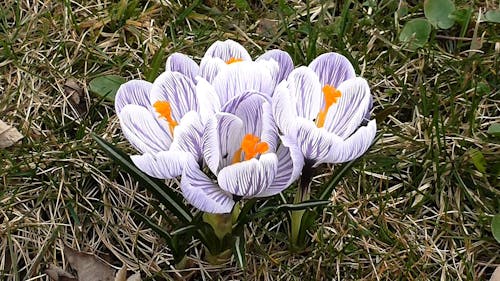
303	194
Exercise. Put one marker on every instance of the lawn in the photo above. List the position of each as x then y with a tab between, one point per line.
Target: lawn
417	206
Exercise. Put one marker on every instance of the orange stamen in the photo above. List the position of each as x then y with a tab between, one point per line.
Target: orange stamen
163	108
233	60
251	146
331	95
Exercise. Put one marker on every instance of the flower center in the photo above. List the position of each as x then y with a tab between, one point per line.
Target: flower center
251	146
163	108
233	60
331	95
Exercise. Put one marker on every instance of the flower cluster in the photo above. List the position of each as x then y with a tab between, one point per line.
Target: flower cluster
235	128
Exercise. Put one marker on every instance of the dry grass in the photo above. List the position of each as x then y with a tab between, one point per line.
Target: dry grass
414	208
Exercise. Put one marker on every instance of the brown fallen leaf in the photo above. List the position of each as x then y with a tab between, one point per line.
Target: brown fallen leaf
8	135
121	275
496	275
58	274
73	91
88	266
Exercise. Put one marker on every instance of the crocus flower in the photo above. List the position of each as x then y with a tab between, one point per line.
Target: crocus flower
240	148
162	122
324	109
222	54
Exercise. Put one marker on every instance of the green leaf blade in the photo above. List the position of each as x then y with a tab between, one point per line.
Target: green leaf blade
495	227
168	197
106	86
416	33
439	13
492	16
494	129
239	251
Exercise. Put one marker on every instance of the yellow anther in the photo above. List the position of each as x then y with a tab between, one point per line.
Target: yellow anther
331	95
233	60
251	146
163	108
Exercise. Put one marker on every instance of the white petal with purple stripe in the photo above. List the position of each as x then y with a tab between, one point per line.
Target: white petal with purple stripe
251	177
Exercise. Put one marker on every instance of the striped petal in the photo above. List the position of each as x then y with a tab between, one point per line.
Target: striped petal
133	92
284	61
290	164
284	108
226	50
345	116
183	64
332	69
314	142
248	107
354	146
251	177
141	129
188	135
204	194
210	67
162	165
208	100
241	77
305	90
178	90
221	139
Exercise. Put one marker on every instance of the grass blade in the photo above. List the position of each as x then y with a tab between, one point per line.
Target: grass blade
167	197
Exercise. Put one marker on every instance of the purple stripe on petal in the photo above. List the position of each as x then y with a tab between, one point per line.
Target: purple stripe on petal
284	108
221	139
141	129
208	100
354	146
162	165
249	108
249	178
351	109
181	63
202	193
284	61
290	164
226	50
269	133
314	142
178	90
305	89
332	69
187	135
133	92
241	77
210	67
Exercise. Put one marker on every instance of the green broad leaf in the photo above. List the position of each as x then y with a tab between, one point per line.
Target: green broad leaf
402	9
242	5
439	13
478	160
494	129
239	250
495	227
164	194
106	86
415	33
492	16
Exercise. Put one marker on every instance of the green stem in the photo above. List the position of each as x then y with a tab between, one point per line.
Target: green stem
303	194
